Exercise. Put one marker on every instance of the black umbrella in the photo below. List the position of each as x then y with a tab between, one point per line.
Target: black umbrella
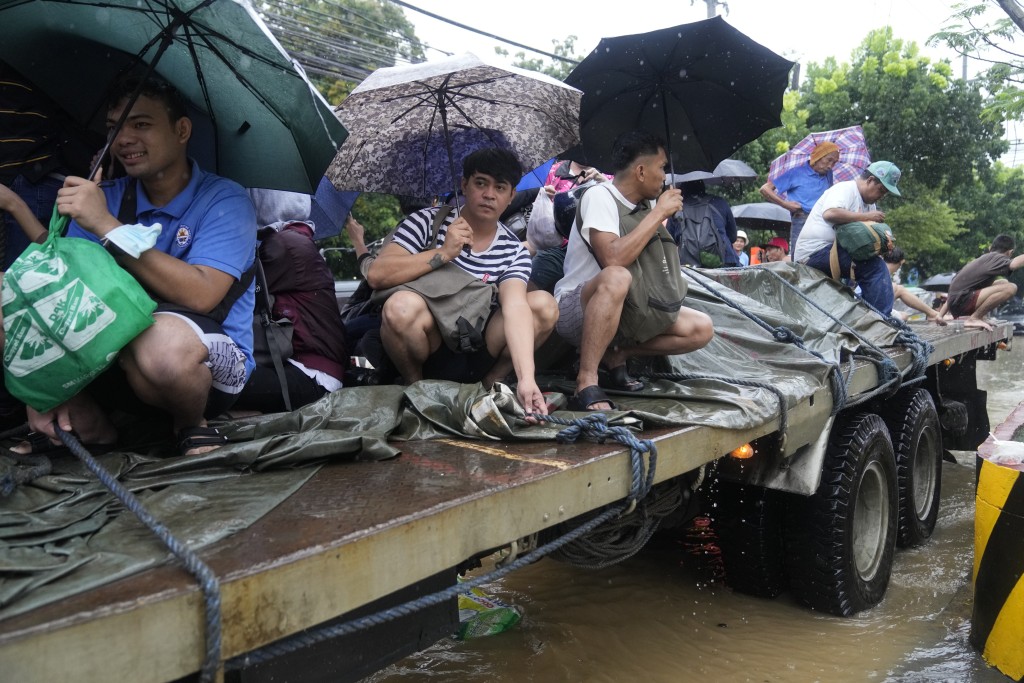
705	87
938	283
762	216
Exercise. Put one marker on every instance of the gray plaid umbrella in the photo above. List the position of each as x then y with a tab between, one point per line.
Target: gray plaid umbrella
411	126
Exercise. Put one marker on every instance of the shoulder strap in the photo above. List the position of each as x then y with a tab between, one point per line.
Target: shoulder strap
263	312
128	211
435	226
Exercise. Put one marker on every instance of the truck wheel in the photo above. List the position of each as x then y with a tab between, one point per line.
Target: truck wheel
917	442
748	521
840	541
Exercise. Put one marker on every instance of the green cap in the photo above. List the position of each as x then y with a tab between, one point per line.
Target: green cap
888	174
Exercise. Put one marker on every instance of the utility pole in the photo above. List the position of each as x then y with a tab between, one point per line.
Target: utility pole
713	6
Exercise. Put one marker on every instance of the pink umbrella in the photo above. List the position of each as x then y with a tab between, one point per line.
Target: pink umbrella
853	153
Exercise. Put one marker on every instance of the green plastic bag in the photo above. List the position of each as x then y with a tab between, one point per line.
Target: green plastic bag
68	309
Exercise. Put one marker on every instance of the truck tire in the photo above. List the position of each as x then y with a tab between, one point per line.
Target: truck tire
748	521
841	540
916	437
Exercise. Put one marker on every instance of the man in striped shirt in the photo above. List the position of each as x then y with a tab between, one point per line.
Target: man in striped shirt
474	240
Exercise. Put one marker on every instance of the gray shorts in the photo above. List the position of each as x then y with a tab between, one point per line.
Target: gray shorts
225	360
570	316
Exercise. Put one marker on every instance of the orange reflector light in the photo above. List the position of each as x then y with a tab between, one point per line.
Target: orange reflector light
743	452
948	362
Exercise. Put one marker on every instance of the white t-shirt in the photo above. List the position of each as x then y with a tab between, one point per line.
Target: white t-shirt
599	211
818	233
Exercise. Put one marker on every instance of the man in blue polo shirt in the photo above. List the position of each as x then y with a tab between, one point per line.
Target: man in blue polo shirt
803	185
197	355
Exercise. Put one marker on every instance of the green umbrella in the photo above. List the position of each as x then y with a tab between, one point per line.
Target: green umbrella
259	121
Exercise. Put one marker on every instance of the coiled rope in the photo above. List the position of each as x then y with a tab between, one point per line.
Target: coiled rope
24	467
594	425
204	575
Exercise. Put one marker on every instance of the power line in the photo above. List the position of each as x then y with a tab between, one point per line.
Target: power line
560	58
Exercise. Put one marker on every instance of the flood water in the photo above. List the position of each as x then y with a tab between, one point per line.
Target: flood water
656	618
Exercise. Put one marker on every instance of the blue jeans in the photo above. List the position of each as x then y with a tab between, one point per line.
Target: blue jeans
872	276
794	231
40	198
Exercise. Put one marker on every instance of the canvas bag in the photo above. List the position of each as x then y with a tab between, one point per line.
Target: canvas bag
657	288
862	240
699	244
68	310
460	303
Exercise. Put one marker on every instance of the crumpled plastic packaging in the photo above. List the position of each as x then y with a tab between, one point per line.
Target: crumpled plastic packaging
133	239
484	615
1007	454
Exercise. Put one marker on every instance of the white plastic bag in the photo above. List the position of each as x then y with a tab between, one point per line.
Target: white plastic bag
540	231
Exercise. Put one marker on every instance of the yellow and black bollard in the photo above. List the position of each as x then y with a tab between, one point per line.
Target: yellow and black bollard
997	625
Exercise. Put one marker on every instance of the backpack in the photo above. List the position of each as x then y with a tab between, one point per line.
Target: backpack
699	242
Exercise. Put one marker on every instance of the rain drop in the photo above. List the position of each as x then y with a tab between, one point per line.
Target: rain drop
682	73
641	62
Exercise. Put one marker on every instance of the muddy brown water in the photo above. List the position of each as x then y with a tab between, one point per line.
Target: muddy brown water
655	618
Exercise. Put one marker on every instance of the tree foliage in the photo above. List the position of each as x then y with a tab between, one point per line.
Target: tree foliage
556	68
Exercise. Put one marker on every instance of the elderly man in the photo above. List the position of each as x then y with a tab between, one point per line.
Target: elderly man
803	185
616	226
847	202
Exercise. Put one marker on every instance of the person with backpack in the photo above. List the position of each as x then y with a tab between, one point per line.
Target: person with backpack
301	298
705	229
453	285
622	292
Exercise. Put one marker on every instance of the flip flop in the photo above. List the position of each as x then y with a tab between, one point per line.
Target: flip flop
197	437
588	396
618	379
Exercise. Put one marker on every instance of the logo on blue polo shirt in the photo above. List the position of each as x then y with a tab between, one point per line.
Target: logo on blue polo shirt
183	236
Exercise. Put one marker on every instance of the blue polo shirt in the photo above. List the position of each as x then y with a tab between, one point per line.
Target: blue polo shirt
802	184
210	223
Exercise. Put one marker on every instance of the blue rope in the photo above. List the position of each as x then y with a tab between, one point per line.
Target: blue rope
594	425
207	580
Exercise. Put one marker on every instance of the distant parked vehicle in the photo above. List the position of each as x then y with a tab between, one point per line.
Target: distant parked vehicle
1013	311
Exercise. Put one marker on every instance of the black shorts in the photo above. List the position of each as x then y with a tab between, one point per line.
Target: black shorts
466	368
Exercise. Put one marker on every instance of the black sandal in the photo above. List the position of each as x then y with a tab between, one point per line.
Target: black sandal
197	437
588	396
618	379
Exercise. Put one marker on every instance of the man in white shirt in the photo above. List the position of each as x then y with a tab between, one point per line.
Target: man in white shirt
597	279
848	202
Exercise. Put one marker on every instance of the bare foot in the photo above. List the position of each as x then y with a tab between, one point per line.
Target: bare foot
977	323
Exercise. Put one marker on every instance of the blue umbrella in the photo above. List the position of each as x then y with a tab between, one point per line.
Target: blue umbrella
329	208
536	177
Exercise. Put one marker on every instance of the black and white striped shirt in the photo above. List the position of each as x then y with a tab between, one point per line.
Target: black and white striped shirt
504	259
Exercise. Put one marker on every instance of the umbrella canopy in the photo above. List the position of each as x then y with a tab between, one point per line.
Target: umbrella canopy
677	178
704	87
267	125
731	171
762	216
853	153
411	126
536	177
938	283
